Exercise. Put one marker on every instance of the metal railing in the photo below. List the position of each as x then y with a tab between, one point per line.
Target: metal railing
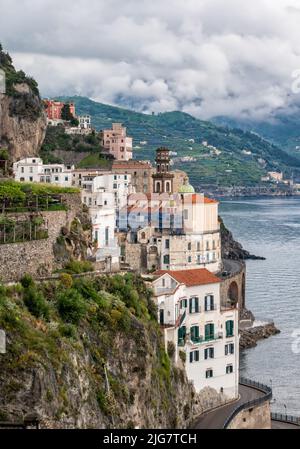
286	418
250	404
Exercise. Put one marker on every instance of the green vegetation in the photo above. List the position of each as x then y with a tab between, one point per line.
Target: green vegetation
13	77
58	142
86	324
68	116
94	161
78	266
185	134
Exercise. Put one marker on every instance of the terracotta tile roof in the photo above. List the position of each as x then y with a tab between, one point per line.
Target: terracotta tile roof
198	276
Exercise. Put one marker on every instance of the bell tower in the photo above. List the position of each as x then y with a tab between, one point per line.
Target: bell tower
163	179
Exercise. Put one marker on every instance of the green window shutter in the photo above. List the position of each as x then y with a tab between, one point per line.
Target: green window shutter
192	333
191	357
197	356
196	305
191	305
226	349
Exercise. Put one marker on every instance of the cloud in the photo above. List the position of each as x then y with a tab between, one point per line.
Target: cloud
205	57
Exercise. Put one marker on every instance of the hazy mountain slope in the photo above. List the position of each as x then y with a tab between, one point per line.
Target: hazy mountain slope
282	129
176	130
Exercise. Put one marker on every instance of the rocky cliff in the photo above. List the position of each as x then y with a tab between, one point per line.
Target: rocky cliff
90	354
22	117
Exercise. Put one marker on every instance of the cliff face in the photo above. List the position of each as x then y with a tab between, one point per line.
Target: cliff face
22	124
90	354
22	117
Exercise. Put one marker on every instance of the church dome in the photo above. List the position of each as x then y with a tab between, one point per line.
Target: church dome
186	188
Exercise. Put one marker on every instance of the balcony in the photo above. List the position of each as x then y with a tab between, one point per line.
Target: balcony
164	291
206	339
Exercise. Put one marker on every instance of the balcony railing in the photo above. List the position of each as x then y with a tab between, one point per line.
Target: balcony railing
207	338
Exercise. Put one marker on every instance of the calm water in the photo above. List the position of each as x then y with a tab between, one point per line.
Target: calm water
271	228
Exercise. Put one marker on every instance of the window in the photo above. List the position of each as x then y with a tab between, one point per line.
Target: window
229	369
31	179
207	246
167	244
209	373
166	259
56	178
190	259
209	353
229	349
209	331
229	328
209	303
194	356
106	236
66	178
186	214
181	335
115	186
194	305
183	303
195	335
22	169
189	247
198	246
30	169
199	259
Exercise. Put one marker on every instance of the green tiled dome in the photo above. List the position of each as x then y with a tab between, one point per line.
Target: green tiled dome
186	188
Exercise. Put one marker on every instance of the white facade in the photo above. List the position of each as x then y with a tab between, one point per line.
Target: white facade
104	195
118	185
101	205
85	121
195	322
34	170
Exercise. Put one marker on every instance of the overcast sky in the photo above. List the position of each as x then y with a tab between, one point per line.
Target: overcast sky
205	57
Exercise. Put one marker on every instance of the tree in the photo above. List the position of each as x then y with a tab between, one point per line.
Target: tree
67	115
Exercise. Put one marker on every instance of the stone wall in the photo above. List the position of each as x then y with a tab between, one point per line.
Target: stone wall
255	418
133	256
233	287
36	257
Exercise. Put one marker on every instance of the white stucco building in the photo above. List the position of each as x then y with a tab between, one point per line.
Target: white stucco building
32	169
119	185
104	195
190	311
178	231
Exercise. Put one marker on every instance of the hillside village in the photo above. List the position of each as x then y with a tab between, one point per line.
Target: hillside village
142	232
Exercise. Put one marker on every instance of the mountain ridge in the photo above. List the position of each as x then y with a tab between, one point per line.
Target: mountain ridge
185	134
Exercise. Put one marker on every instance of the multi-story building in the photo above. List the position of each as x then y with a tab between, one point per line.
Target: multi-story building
101	204
141	174
85	121
32	169
194	320
54	108
119	186
116	143
172	232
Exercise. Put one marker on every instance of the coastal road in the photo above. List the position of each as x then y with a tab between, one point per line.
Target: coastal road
216	418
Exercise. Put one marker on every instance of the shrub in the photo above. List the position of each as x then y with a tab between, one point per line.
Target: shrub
171	349
27	281
66	280
67	330
71	306
78	266
182	356
36	303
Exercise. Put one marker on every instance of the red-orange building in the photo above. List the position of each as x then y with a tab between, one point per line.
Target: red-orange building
54	108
